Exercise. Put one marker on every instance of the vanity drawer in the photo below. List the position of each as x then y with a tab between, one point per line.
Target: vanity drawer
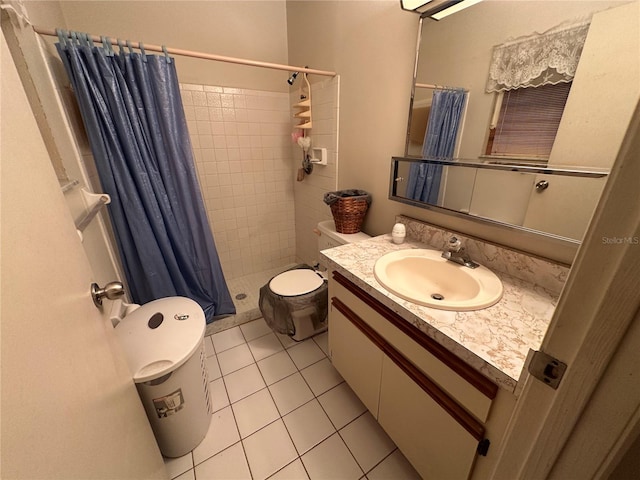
465	384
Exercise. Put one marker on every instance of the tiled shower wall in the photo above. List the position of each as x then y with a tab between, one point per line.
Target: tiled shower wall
309	193
242	148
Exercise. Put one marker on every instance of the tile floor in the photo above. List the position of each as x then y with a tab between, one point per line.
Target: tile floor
281	411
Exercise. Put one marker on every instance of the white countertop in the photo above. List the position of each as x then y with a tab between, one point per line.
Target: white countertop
493	340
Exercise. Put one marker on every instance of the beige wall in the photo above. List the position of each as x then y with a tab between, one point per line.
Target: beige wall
372	46
248	29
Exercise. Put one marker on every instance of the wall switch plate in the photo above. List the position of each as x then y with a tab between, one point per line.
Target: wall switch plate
318	156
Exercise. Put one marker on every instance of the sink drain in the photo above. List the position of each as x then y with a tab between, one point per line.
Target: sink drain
437	296
241	296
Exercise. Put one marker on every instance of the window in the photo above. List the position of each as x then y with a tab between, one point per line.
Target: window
532	77
526	121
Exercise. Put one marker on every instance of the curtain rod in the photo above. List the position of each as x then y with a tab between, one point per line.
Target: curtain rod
207	56
430	85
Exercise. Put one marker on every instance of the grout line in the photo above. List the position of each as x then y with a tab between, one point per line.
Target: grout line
281	417
385	457
279	470
347	445
325	412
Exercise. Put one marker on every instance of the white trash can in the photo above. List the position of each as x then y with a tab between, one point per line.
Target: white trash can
163	341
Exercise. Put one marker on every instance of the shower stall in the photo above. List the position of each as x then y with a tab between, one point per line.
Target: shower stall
261	218
242	150
246	163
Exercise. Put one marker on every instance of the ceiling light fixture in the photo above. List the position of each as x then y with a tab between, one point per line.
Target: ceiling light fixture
436	9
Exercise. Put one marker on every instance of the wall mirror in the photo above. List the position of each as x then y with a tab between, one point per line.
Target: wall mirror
457	52
516	196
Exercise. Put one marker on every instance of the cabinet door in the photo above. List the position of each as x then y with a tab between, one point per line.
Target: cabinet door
433	441
357	358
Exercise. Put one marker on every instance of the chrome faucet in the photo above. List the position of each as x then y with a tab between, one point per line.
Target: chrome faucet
455	252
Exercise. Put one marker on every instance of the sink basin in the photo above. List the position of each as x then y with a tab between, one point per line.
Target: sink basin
422	276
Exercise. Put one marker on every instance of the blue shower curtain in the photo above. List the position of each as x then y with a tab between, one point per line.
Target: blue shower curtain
132	111
439	143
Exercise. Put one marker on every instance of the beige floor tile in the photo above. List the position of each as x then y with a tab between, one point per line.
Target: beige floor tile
268	450
243	382
290	393
276	367
331	459
321	376
222	434
230	464
305	354
254	412
367	441
308	426
392	467
341	404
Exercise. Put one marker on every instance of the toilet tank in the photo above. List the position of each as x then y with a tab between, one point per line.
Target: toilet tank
329	238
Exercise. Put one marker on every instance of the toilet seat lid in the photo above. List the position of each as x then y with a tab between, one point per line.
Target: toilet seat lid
295	282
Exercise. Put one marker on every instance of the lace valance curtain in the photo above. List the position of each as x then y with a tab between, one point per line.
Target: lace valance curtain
541	59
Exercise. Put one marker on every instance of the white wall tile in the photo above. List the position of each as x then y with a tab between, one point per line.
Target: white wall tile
247	134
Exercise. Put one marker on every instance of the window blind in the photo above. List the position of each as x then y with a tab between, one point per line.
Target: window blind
528	121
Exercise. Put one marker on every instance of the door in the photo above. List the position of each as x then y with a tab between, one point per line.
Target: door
554	432
590	331
69	406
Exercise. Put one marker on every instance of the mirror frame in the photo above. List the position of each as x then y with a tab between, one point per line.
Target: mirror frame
413	87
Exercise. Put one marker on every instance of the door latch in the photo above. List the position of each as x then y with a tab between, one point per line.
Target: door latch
546	368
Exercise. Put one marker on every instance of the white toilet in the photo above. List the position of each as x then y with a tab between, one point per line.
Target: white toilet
295	302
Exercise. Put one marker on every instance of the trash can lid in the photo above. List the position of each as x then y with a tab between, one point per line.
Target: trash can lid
160	336
295	282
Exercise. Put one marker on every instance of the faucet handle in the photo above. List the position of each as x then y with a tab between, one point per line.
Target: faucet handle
454	244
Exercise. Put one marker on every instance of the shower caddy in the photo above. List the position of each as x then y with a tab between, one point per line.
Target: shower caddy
305	105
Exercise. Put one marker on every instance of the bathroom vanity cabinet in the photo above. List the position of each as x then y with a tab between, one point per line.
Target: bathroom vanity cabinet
445	416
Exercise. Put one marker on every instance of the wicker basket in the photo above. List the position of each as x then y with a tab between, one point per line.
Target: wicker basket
348	213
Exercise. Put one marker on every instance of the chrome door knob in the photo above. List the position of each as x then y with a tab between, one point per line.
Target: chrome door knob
111	290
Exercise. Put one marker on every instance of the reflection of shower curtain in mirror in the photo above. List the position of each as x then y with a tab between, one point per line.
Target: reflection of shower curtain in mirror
439	143
133	115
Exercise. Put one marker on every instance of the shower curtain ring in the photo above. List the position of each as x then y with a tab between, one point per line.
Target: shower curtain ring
62	37
166	53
